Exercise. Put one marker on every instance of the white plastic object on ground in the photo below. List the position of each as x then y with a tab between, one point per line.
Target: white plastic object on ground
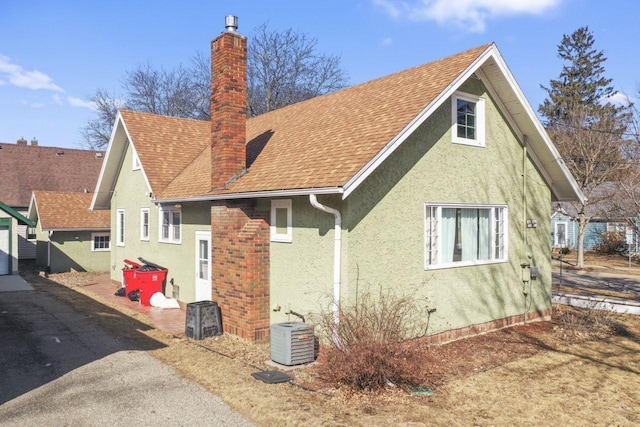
159	300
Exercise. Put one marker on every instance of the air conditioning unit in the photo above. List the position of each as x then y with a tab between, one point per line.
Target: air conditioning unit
292	343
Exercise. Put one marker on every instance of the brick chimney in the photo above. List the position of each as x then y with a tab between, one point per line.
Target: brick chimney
21	141
228	104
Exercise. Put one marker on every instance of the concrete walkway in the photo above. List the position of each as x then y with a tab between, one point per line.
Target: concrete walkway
13	283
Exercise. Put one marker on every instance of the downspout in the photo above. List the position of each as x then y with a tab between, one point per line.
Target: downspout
49	251
336	259
524	225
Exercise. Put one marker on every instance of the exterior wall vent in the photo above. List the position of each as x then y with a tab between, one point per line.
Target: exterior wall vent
292	343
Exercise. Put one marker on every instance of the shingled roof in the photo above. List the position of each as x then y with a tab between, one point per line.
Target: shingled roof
329	143
24	168
59	210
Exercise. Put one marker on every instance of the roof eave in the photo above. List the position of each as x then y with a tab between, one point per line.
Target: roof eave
253	195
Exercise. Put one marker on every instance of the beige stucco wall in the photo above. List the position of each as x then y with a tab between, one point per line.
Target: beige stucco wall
132	193
383	229
70	251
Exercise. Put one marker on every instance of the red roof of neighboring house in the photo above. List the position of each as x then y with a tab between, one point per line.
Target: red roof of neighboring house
24	168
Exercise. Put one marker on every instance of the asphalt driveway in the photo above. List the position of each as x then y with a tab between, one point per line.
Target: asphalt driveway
58	368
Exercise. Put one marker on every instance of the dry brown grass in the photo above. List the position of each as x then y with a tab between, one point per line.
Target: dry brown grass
535	374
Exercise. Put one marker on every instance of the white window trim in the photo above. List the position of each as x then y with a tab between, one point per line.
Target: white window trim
120	227
136	160
142	212
439	206
480	119
171	211
93	241
281	237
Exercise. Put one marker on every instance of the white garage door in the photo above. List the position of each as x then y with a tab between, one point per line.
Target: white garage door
4	250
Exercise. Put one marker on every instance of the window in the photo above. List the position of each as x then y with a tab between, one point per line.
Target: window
120	227
616	227
281	229
170	225
136	161
144	224
31	233
468	119
101	242
460	235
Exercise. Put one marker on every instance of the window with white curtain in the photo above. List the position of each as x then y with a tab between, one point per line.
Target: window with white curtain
460	235
170	225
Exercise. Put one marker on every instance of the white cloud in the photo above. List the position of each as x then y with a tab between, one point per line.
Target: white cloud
77	102
387	41
57	98
18	76
619	99
469	14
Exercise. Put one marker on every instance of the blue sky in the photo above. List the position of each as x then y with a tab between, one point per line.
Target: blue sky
54	54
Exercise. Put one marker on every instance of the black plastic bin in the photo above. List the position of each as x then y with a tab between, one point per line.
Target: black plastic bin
204	319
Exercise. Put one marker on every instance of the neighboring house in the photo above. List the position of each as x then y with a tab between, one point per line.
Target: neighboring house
10	221
434	182
26	167
69	236
564	231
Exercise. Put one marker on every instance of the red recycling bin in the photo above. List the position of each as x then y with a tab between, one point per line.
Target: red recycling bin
129	275
149	282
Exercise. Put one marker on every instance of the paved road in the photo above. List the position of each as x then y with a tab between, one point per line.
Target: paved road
57	368
579	281
618	281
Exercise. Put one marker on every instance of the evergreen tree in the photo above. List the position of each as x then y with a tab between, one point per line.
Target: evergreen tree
586	127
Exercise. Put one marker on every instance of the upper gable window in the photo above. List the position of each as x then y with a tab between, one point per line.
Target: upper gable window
136	161
468	119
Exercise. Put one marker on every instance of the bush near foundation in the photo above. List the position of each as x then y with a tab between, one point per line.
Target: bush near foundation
372	347
611	242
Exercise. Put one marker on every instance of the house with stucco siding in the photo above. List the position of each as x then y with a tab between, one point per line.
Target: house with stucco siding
435	181
69	236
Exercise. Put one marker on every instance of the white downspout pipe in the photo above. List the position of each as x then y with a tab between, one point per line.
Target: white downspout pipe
336	258
49	250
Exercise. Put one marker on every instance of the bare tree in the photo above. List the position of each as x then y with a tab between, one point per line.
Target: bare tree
97	131
586	127
599	158
284	68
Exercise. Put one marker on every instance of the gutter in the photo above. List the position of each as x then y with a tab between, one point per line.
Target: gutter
336	259
254	195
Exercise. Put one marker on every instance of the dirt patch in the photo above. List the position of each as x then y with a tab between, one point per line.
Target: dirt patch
537	373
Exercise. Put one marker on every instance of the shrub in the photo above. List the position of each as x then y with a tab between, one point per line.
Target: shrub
587	323
565	251
371	348
611	242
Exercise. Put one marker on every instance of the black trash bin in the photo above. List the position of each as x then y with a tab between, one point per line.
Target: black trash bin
204	319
